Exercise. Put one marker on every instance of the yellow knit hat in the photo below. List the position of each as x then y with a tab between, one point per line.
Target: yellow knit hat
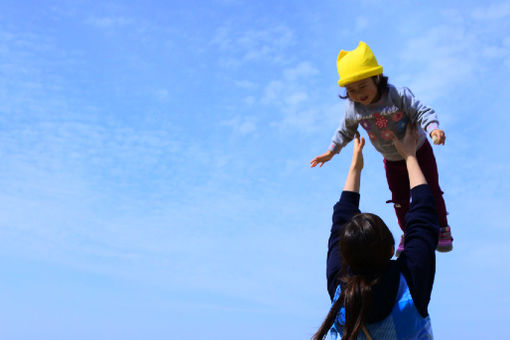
357	64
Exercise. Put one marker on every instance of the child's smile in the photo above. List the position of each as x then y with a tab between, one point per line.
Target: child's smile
363	91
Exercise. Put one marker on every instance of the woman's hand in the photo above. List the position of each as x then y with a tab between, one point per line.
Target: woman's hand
438	136
357	154
322	159
407	149
407	146
352	182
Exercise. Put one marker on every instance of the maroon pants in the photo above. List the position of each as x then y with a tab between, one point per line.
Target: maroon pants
398	181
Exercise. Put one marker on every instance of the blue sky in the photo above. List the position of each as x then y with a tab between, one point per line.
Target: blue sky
155	162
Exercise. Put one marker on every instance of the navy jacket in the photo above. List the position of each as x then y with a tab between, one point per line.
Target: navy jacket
417	262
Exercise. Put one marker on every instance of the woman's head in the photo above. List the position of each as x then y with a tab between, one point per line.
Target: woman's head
366	244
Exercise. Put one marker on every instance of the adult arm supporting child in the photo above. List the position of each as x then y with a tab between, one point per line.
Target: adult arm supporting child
417	261
343	211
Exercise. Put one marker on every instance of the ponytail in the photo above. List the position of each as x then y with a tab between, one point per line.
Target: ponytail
330	319
356	297
357	300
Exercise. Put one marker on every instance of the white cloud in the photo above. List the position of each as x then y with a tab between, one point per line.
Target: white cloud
437	60
361	23
253	45
492	12
108	21
453	16
246	84
296	98
162	94
292	96
222	38
247	127
81	193
498	251
302	106
507	63
450	55
242	125
250	100
495	52
298	119
290	88
272	92
302	70
356	26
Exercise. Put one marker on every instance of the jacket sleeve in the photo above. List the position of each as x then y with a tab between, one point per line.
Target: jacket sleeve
417	111
343	211
418	260
346	130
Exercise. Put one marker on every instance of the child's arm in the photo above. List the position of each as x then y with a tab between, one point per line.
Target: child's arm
425	116
343	211
343	135
321	159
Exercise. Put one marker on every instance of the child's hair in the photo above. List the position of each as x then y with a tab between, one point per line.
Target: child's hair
382	85
366	246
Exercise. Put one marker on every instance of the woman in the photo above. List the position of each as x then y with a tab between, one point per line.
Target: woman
373	296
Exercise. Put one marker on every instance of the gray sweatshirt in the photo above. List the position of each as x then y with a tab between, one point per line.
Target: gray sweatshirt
394	110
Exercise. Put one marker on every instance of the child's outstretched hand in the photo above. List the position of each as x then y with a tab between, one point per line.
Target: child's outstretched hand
438	136
407	146
321	159
357	154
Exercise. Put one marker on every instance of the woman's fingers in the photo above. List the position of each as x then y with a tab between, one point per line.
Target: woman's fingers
394	138
359	141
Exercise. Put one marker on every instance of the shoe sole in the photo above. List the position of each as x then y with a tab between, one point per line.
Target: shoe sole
444	248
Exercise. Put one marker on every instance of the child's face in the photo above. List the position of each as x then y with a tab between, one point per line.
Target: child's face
363	91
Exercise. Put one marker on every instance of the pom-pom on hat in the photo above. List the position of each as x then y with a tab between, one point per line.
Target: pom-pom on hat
357	64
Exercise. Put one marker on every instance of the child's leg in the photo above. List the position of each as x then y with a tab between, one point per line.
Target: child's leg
428	165
398	182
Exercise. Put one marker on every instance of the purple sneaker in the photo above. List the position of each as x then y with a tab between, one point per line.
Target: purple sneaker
445	240
400	248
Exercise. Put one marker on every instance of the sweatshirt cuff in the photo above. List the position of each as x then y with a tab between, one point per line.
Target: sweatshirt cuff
431	127
420	190
350	196
335	148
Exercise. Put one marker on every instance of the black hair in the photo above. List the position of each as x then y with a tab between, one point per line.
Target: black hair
366	246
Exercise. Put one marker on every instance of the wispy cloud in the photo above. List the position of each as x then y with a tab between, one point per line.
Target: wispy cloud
246	84
302	107
292	82
301	70
242	125
108	21
439	61
493	11
174	153
358	25
252	45
444	57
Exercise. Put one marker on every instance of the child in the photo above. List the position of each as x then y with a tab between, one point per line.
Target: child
383	110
